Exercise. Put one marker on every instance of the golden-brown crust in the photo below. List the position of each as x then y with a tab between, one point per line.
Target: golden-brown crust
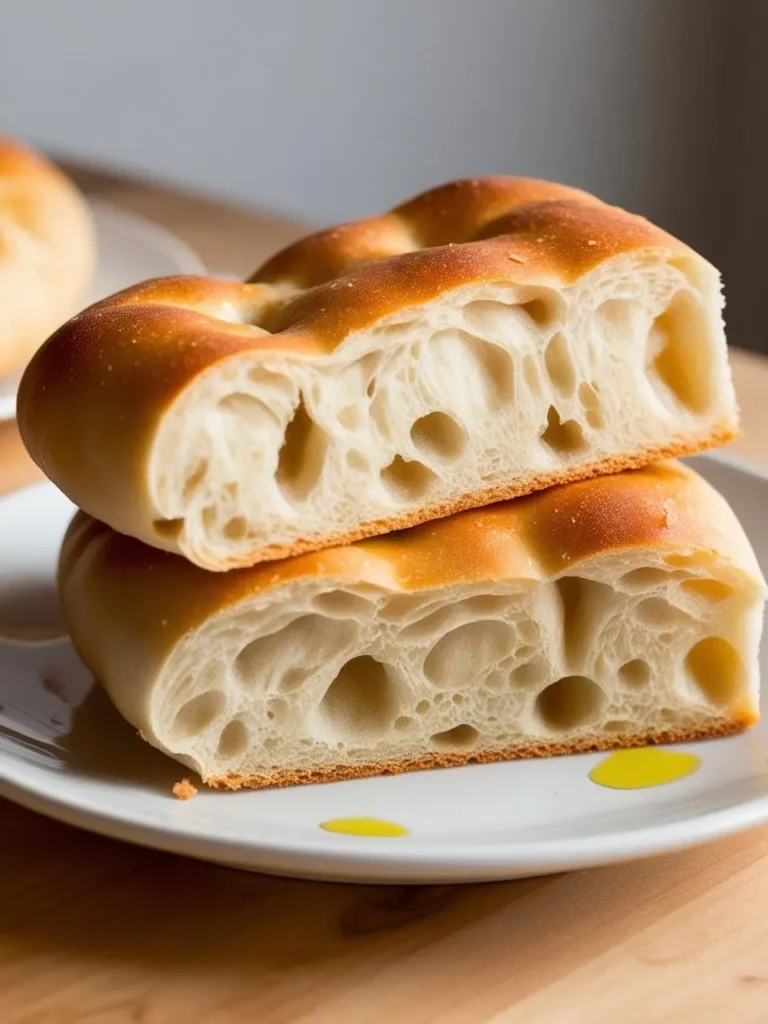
46	251
92	400
713	729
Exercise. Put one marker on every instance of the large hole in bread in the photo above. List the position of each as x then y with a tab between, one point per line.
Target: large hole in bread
557	360
563	437
716	669
233	739
477	361
439	435
362	701
461	737
713	591
588	396
407	480
300	645
300	460
645	577
248	408
198	713
456	659
236	528
584	605
636	672
679	354
569	703
342	604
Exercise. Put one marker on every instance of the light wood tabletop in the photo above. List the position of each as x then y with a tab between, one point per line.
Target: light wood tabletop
99	931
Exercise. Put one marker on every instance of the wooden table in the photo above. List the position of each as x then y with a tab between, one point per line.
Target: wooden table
94	930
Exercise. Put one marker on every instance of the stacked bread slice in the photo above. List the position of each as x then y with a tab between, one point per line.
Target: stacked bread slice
231	446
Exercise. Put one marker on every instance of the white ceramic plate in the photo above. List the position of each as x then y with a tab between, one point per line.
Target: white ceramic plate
65	752
128	249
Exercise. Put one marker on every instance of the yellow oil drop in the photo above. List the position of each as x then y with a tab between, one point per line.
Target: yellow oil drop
644	767
364	827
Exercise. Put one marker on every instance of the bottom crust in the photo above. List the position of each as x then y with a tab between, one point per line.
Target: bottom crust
581	745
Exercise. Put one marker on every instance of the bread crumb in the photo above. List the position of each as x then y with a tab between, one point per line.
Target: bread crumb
184	790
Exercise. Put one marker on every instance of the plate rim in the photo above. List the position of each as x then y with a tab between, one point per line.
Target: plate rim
403	860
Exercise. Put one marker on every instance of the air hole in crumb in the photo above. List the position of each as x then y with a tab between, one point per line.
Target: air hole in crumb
658	612
422	707
645	577
362	700
198	713
371	388
350	417
236	528
711	590
562	436
461	737
542	312
559	366
301	457
636	672
168	529
249	408
292	680
716	668
357	461
407	481
570	702
459	655
195	478
439	435
233	739
695	560
458	698
403	722
343	604
679	354
619	726
530	674
277	709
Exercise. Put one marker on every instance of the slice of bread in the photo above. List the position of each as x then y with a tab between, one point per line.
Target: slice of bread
46	252
487	339
609	612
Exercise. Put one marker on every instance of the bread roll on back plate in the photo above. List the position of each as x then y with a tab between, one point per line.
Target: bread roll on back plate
46	252
484	340
609	612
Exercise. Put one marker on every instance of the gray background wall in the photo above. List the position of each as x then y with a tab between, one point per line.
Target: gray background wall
337	108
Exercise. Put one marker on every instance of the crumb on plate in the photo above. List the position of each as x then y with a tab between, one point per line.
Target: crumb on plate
184	790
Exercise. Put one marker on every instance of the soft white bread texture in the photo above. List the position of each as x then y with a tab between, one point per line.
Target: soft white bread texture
46	252
609	612
487	339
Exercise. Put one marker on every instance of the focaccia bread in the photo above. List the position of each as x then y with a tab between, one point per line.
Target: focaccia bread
610	612
46	252
487	339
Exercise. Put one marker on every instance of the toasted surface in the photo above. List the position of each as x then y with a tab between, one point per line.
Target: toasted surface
46	252
486	339
603	613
